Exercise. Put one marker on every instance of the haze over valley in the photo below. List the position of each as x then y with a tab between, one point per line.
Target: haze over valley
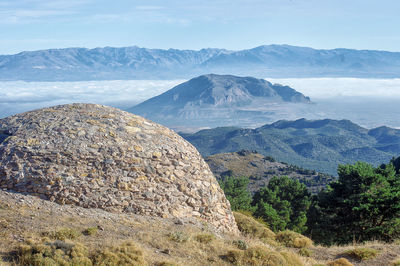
367	102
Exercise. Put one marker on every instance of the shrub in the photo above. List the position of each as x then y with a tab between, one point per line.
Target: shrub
305	252
362	205
90	231
251	227
236	192
52	253
125	254
204	238
63	234
293	239
397	262
283	204
240	244
362	253
261	255
179	237
291	258
340	262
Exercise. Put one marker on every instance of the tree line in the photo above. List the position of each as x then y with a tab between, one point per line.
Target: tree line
362	204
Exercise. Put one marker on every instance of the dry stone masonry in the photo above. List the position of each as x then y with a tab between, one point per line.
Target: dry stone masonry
101	157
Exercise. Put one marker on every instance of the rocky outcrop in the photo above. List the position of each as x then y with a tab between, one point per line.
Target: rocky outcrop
101	157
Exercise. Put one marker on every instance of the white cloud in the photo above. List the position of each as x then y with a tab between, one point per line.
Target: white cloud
19	96
343	87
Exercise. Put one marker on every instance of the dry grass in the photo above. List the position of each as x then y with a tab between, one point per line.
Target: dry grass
69	253
205	238
340	262
293	239
305	252
158	241
362	253
63	234
251	227
261	255
90	231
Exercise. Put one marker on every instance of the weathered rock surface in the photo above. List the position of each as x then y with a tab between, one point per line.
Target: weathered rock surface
101	157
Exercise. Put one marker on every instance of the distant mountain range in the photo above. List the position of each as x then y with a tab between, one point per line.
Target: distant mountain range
312	144
108	63
217	97
260	169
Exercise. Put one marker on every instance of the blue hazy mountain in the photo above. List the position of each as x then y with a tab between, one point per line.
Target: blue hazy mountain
142	63
218	97
313	144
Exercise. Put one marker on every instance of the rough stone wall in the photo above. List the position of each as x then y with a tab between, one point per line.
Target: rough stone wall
101	157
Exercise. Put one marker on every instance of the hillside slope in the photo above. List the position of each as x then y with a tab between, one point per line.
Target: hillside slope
34	228
312	144
260	169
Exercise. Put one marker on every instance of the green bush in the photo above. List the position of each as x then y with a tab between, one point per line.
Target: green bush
362	205
293	239
362	253
178	237
283	204
90	231
204	238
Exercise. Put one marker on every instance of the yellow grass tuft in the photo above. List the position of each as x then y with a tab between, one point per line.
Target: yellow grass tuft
253	228
126	254
293	239
340	262
204	238
362	253
261	255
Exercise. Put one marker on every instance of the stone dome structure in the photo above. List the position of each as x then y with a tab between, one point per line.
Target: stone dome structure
101	157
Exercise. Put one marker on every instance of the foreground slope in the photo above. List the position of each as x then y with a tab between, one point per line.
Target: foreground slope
98	236
312	144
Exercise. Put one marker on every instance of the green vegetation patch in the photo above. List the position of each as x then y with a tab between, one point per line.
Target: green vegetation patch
63	234
340	262
178	237
90	231
293	239
251	227
362	253
72	254
204	238
261	255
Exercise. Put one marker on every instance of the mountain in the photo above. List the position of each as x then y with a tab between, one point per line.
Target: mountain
259	169
141	63
216	97
312	144
101	63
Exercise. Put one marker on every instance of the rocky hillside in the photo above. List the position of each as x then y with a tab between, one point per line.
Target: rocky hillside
260	169
211	97
142	63
312	144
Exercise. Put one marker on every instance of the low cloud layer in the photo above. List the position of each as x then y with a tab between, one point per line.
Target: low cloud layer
369	102
19	96
325	88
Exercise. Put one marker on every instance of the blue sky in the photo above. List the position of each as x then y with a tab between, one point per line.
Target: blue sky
195	24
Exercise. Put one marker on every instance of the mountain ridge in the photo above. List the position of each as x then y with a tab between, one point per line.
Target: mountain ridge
216	97
133	62
319	148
